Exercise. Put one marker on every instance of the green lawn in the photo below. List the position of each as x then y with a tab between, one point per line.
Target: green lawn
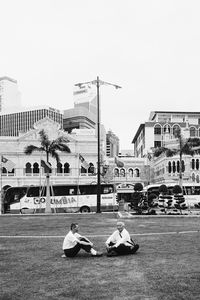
167	265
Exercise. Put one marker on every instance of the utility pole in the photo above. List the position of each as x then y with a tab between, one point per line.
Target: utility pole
98	83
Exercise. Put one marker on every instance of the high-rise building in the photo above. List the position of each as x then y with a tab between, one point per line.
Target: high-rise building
10	97
86	96
12	124
112	144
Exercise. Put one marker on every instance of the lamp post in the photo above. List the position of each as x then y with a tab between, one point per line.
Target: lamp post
98	83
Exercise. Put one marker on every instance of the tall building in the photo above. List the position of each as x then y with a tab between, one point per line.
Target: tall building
112	144
10	97
12	124
161	126
86	96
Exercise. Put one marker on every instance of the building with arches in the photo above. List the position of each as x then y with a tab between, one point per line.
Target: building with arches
159	131
28	169
161	126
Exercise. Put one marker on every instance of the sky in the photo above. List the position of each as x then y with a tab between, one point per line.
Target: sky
150	48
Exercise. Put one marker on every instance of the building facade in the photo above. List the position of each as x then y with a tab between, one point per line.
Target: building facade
162	125
28	170
21	121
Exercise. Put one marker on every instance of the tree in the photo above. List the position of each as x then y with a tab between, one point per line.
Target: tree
50	148
185	146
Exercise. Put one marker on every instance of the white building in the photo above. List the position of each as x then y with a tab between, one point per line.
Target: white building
10	97
162	125
28	171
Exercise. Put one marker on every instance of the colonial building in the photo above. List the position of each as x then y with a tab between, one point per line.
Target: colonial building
162	125
27	170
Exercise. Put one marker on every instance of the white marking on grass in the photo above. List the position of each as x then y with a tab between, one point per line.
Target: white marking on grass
99	235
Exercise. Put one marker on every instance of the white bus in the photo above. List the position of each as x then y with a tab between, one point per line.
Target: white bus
191	192
67	198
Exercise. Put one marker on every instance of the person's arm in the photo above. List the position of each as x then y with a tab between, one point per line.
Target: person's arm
86	242
110	239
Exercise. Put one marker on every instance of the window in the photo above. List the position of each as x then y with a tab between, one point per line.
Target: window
157	144
66	168
192	131
36	168
91	168
28	169
157	129
59	168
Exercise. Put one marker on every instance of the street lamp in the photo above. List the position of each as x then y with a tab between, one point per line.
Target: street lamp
98	83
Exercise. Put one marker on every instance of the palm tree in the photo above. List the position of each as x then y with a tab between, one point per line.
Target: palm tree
185	146
51	148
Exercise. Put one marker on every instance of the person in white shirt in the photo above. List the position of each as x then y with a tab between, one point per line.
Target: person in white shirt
120	242
74	242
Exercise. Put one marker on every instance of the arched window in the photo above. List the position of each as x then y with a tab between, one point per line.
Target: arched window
173	167
197	178
136	173
193	177
157	129
122	172
176	130
178	166
4	170
169	167
192	131
193	164
91	168
130	172
66	168
197	164
183	166
59	169
36	168
28	169
116	172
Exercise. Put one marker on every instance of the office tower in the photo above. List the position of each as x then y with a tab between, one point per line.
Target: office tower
10	97
12	124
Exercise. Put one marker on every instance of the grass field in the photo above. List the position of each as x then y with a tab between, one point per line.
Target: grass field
167	265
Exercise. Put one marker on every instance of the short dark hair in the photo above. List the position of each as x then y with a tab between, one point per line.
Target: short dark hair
73	225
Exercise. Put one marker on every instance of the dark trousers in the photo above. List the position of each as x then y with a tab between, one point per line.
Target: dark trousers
74	251
123	249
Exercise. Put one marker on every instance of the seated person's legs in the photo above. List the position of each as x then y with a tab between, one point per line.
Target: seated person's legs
72	251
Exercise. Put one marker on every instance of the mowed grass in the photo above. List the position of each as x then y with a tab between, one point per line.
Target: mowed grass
167	265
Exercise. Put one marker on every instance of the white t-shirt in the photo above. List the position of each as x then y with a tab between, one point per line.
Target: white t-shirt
117	239
70	240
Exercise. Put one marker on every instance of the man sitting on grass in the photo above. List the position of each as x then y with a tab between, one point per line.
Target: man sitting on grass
74	242
120	242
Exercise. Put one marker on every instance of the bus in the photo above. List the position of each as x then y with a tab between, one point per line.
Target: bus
67	198
191	192
12	196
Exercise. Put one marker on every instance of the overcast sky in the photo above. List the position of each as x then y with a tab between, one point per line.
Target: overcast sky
150	48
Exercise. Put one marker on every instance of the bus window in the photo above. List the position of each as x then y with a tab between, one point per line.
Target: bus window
197	190
33	191
106	189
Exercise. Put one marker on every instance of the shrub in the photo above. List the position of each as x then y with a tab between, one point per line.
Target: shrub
177	189
138	187
163	189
